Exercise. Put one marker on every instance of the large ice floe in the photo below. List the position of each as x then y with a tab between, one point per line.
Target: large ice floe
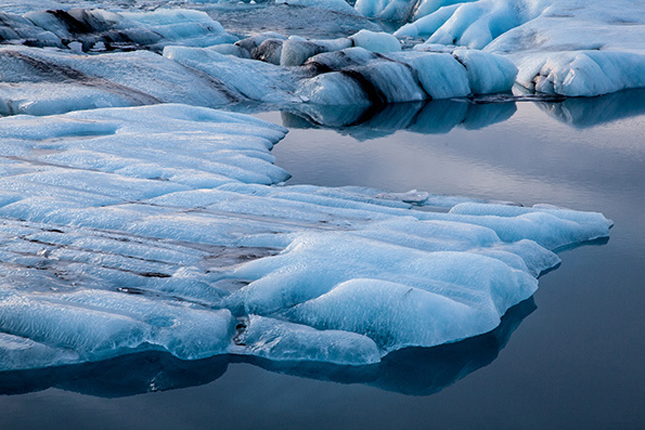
146	222
168	228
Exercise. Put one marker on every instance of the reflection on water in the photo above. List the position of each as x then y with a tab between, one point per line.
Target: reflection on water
415	371
583	112
441	116
370	122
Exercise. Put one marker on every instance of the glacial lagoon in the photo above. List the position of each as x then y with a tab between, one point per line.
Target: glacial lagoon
570	356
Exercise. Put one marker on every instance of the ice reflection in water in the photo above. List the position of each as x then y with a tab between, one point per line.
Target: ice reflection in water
441	116
414	371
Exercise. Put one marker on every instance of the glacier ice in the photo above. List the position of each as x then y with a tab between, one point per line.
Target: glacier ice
413	371
283	341
358	76
97	29
583	50
165	228
44	82
138	223
40	82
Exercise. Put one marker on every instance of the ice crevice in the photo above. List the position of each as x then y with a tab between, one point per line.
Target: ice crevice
169	228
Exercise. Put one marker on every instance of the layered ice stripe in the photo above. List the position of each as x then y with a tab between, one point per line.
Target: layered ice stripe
44	82
99	30
162	227
283	341
95	325
355	76
253	79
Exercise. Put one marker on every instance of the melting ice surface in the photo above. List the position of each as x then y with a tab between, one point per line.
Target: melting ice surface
136	224
168	228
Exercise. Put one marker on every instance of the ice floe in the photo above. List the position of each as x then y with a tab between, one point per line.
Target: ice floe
166	228
42	82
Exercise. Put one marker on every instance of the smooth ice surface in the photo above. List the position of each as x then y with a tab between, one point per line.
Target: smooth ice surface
42	82
164	228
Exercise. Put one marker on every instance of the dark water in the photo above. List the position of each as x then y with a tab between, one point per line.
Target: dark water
571	357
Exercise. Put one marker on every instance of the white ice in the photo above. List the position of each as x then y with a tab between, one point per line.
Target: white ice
97	29
570	48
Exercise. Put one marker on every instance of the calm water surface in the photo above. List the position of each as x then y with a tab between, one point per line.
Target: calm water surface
571	357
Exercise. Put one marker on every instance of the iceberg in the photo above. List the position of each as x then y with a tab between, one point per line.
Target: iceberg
586	50
357	76
168	228
203	65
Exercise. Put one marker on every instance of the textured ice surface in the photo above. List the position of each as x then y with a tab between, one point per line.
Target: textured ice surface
357	76
278	340
168	228
41	82
562	47
199	65
287	18
100	30
295	51
164	228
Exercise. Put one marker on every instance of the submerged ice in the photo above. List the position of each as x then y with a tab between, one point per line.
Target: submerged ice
169	228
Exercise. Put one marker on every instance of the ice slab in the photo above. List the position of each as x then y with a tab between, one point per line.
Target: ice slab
283	341
255	80
582	73
43	82
357	76
166	228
